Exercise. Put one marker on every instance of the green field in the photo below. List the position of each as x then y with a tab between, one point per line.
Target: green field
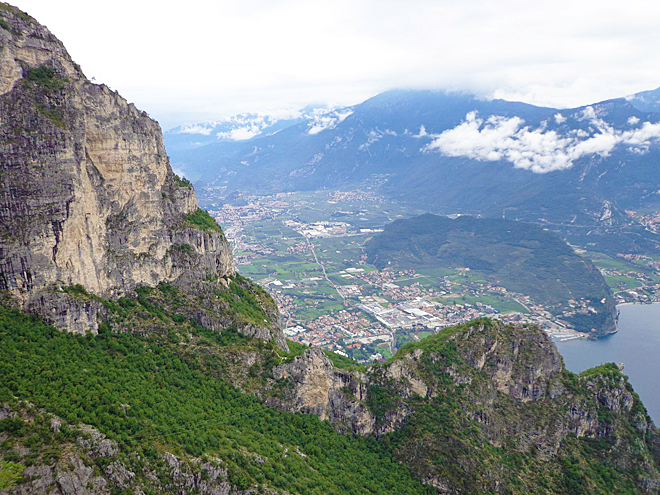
501	304
626	282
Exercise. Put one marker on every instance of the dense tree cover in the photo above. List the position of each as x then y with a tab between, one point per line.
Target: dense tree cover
522	257
149	398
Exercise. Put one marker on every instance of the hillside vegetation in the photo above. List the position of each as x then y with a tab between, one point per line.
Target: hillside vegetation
162	404
151	398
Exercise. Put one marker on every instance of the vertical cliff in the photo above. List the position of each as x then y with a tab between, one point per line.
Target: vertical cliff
87	194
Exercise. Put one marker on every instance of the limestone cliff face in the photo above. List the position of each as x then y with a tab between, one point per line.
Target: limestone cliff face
332	394
87	195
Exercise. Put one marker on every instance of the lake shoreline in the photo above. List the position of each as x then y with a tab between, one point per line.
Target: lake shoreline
636	344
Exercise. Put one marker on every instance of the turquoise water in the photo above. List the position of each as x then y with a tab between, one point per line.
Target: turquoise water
636	345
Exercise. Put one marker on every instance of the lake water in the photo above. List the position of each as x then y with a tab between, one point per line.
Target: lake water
636	345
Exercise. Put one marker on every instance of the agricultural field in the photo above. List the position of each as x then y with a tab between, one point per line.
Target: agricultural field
632	278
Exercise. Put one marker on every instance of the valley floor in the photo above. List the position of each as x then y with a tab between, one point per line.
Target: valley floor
307	250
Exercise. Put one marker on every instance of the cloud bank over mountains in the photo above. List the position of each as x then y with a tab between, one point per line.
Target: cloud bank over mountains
243	127
236	128
539	150
322	120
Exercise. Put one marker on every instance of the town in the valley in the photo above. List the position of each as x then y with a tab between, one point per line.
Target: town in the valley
307	251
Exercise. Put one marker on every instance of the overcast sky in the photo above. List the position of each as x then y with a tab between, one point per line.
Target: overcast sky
193	61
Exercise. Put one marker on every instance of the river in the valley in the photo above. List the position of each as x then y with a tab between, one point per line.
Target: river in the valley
636	345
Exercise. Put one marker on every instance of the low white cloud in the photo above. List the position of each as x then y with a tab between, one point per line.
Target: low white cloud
422	132
205	129
321	124
633	120
341	116
323	121
240	133
374	136
246	127
559	118
539	150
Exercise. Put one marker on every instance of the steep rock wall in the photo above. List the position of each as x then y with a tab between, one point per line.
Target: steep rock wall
87	194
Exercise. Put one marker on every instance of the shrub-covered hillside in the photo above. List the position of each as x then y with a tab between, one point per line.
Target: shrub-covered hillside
151	398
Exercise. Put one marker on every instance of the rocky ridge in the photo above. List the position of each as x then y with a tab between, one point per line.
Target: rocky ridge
90	463
490	386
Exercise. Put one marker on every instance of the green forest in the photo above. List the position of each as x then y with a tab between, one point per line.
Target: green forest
150	399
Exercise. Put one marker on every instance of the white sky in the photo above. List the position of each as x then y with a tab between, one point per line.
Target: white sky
199	60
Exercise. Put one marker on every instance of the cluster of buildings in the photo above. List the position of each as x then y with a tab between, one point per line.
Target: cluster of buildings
318	229
357	195
393	306
345	327
646	288
412	313
299	248
651	222
384	302
240	216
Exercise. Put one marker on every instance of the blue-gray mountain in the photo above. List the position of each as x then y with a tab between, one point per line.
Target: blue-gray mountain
577	169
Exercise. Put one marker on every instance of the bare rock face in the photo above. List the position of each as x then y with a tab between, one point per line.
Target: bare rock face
87	195
317	387
342	397
519	362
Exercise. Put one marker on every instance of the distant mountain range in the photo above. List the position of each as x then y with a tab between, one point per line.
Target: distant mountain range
578	169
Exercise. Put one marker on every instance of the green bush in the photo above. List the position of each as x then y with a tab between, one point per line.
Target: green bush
182	181
9	473
46	77
201	220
